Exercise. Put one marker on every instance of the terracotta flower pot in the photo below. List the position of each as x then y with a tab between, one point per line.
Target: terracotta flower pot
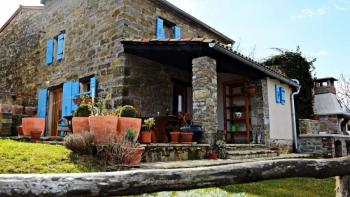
31	111
103	128
19	130
186	137
146	137
35	135
213	156
17	109
135	155
175	137
80	124
251	90
32	124
5	108
124	123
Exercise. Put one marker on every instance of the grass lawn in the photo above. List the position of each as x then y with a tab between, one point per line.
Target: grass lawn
21	157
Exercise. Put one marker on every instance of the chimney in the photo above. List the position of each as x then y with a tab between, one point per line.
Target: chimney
325	85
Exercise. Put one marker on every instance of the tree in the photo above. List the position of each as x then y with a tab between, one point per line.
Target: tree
296	66
343	94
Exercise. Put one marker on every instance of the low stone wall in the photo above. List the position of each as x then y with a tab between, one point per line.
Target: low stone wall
325	124
175	152
325	145
5	124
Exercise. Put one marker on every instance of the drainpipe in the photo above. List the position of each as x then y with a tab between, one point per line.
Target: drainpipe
294	123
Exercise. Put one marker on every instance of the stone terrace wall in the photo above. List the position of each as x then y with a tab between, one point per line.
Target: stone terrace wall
325	124
20	56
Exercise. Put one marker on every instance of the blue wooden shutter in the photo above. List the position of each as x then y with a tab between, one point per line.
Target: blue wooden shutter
75	93
277	93
70	91
60	42
42	101
177	32
159	28
49	51
283	95
93	87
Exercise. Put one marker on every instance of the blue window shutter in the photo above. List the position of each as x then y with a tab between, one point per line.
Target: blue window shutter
283	95
75	93
49	51
60	42
177	32
277	93
93	87
67	99
159	28
42	101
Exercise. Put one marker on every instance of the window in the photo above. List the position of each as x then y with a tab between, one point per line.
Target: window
88	86
280	93
52	50
167	29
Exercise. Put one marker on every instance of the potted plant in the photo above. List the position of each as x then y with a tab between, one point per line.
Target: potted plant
175	136
80	121
251	90
5	108
213	155
103	128
127	120
35	135
32	124
146	136
133	150
186	132
17	109
277	148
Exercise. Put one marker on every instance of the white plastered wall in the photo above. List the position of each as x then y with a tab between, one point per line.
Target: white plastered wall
279	115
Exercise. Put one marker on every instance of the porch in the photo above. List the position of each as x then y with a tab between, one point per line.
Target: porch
203	78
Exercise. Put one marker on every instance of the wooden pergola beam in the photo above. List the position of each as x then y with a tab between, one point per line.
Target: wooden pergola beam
144	181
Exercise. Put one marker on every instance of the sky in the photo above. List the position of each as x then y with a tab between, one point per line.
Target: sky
320	27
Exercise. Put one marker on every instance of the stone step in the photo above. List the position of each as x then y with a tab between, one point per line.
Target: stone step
251	154
243	147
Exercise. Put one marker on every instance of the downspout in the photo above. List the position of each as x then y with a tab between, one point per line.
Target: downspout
294	123
341	120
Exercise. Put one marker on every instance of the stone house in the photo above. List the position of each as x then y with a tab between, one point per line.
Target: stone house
147	53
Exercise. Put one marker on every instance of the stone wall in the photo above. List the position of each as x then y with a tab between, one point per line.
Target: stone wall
259	113
20	57
93	31
325	124
175	152
325	145
149	85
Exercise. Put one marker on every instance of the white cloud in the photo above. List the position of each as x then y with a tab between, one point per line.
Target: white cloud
311	12
342	5
320	53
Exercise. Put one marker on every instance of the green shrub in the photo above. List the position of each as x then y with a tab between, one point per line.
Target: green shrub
126	111
83	110
149	123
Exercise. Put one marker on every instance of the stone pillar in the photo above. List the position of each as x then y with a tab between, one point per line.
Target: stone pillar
204	83
342	187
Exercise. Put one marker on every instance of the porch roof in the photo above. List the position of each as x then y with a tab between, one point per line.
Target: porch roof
180	52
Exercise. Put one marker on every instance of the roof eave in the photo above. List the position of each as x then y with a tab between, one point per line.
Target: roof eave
185	14
256	66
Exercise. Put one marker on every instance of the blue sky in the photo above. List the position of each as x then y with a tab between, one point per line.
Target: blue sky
321	28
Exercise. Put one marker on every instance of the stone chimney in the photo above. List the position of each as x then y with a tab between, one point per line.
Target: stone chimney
325	85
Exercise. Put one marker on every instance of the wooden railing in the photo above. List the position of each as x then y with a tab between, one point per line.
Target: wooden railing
143	181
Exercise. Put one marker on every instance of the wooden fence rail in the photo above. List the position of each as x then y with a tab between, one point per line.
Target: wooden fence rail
154	180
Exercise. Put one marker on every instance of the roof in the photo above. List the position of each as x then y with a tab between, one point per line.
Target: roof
328	104
325	79
223	49
20	8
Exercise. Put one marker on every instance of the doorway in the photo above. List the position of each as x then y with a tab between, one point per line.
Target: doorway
181	97
56	109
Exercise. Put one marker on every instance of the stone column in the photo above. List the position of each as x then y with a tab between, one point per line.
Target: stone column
204	83
342	187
